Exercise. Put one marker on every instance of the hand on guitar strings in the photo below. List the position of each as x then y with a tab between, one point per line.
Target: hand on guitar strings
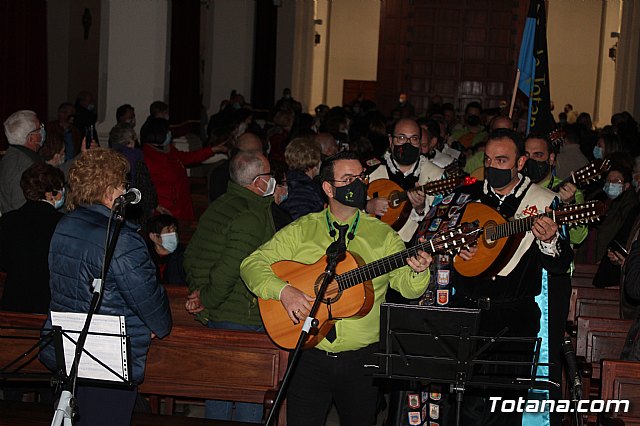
567	192
296	303
377	206
420	262
468	253
544	229
193	305
417	199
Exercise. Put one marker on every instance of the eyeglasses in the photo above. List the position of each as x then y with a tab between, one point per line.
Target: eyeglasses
615	181
402	139
37	130
270	174
348	179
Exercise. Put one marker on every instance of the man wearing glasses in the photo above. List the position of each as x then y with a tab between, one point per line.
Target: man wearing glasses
335	369
233	226
404	165
25	135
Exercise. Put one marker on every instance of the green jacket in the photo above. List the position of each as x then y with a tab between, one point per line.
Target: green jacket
233	226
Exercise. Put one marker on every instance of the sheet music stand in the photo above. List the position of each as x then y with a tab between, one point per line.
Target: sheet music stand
441	345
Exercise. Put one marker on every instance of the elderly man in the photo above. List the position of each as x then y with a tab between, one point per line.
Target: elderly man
232	228
25	135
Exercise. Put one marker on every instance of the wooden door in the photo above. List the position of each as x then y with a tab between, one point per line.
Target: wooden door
460	50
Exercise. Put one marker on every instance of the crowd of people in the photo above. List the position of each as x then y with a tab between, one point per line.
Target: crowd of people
284	186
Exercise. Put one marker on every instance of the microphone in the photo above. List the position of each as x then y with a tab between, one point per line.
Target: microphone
132	196
572	365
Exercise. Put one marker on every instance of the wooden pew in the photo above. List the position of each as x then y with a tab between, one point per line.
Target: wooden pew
192	362
594	302
214	364
600	338
18	332
621	380
177	295
585	270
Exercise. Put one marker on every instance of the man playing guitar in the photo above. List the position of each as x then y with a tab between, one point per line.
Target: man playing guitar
404	165
508	298
334	369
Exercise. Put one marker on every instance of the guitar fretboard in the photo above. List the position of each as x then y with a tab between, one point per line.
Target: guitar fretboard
443	242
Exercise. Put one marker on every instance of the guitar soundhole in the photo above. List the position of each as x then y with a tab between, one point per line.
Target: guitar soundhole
394	200
489	228
333	293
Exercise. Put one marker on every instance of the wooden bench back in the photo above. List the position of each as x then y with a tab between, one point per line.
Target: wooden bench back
600	338
595	302
621	380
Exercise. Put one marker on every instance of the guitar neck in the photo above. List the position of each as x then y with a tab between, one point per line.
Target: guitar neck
387	264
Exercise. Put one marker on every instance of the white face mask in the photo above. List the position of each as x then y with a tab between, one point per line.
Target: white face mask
271	186
169	241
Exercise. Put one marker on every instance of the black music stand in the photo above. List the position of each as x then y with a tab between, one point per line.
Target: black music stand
441	345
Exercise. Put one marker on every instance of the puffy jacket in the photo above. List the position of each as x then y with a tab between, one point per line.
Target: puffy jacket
169	176
233	226
304	195
130	289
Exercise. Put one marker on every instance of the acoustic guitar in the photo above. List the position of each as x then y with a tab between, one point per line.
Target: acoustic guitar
351	293
399	204
500	238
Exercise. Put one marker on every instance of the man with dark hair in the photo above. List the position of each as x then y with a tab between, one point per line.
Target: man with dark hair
166	251
472	132
516	295
334	370
63	128
159	109
404	165
25	235
541	160
126	114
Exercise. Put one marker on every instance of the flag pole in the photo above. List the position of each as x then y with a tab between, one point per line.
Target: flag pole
513	96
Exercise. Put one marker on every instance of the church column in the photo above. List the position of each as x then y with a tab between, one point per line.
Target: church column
227	46
134	53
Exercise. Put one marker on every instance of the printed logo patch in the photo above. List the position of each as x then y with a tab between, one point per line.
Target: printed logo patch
443	297
414	400
435	225
414	417
448	198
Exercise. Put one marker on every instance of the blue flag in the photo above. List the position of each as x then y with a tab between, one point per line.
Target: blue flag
533	65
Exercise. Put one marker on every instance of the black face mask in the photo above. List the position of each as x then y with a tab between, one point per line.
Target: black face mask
473	120
497	178
352	195
405	154
536	170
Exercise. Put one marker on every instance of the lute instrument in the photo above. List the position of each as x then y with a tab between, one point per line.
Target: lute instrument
499	237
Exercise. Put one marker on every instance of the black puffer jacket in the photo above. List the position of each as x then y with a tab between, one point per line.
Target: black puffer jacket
305	195
130	288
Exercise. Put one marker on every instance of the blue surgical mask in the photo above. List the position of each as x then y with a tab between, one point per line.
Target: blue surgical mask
613	190
284	197
59	203
597	152
170	241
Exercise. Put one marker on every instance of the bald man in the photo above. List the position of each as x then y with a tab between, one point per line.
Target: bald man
218	180
328	144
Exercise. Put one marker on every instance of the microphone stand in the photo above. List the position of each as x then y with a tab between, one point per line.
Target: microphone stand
335	253
67	405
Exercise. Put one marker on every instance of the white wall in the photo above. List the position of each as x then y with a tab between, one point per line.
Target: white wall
132	72
318	73
581	72
228	51
354	27
604	102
